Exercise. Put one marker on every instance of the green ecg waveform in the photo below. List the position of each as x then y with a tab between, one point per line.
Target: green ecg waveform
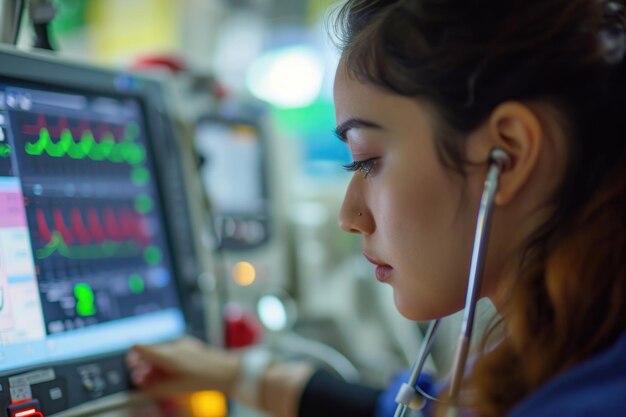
107	149
105	250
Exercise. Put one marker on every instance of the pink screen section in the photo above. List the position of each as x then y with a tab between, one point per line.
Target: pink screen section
12	208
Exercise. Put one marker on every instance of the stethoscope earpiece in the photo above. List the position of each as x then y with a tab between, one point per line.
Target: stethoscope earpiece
501	158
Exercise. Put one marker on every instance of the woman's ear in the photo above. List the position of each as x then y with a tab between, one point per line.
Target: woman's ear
516	129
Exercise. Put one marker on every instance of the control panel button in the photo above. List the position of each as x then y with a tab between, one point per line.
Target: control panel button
56	393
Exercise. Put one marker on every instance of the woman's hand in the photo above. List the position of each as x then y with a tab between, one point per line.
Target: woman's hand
185	365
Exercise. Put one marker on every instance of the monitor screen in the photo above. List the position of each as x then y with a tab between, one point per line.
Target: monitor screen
233	151
234	177
85	266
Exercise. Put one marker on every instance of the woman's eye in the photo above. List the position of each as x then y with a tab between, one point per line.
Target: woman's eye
365	166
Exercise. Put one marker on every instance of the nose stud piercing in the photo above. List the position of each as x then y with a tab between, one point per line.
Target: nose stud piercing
359	214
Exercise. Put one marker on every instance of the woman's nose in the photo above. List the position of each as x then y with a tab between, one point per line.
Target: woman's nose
354	216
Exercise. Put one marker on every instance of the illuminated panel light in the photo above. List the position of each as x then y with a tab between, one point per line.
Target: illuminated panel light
208	404
244	273
272	313
30	412
288	77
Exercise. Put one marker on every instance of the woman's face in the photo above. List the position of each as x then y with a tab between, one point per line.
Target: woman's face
416	216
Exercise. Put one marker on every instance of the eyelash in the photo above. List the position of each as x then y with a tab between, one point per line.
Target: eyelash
366	166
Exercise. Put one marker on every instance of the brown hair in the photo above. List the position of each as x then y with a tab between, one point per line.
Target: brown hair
465	58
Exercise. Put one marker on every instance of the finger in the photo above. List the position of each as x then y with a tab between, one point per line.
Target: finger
143	368
146	374
133	359
163	389
138	378
160	356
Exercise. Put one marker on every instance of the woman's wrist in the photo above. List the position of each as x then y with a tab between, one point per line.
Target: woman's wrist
282	386
232	368
252	367
254	378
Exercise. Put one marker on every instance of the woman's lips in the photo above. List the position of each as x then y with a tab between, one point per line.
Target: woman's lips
383	271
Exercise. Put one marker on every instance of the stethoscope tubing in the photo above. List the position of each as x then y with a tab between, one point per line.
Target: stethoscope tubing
407	397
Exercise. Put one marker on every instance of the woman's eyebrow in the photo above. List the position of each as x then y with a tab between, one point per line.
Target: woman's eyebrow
342	128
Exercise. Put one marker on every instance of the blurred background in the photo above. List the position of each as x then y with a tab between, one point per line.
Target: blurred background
250	89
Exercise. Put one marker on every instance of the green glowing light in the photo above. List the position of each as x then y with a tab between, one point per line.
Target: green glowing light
104	250
140	176
5	150
136	284
143	203
87	147
152	255
85	305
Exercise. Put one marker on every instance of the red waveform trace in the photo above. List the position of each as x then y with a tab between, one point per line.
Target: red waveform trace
83	125
59	225
80	231
94	225
42	225
116	227
110	225
102	128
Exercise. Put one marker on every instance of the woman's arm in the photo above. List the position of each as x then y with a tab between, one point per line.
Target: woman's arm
286	389
282	387
189	365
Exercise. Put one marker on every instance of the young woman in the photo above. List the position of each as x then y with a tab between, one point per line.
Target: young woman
425	90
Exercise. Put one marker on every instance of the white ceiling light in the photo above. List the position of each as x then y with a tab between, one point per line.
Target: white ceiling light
287	77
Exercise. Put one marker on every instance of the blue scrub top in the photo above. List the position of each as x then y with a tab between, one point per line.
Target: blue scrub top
594	388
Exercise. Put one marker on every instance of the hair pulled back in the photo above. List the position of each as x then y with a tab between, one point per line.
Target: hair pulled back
465	58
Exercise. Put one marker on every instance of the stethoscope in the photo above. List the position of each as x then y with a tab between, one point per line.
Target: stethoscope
410	396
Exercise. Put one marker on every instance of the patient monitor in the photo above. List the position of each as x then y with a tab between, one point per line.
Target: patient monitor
96	251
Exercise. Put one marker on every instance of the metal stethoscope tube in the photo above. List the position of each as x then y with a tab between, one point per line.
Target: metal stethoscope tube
409	395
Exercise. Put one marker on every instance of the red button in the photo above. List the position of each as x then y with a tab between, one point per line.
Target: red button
29	412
